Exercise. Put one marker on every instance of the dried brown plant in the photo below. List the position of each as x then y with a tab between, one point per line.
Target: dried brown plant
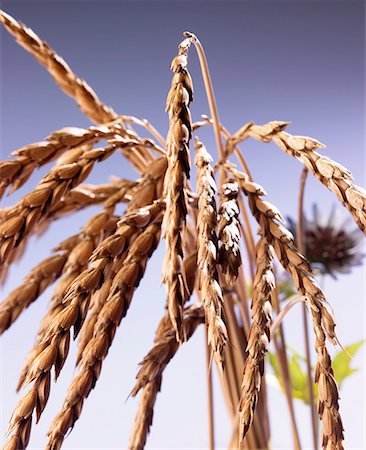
99	268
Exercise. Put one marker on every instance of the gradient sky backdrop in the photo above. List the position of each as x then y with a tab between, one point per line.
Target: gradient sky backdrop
280	60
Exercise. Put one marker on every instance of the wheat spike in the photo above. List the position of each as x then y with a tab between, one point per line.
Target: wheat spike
229	232
259	335
179	98
152	367
323	324
211	294
72	85
40	277
110	316
16	172
53	347
22	218
330	173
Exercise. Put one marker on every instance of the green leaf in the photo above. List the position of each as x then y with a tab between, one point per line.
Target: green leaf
342	362
298	380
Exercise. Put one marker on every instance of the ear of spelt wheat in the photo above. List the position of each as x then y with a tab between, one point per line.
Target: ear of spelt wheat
179	98
209	286
323	324
110	316
229	233
258	337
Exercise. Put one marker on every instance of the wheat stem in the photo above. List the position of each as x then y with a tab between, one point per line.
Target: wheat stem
300	244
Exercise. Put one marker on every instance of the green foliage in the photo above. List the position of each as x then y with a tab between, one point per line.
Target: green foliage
342	362
341	366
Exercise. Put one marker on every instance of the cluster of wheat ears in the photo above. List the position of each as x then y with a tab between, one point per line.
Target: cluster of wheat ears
98	269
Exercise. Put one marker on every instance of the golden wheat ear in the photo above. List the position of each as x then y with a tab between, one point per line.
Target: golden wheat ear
259	335
16	172
323	323
207	259
71	84
115	308
149	377
331	174
179	134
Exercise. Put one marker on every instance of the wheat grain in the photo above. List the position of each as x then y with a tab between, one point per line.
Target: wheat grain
229	232
323	324
179	98
211	295
258	337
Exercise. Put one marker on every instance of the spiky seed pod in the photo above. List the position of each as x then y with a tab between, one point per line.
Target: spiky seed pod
259	335
111	314
152	367
229	232
323	323
179	134
211	294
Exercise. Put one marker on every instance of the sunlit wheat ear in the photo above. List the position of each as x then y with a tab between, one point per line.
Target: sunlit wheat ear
179	134
41	276
149	377
16	172
261	312
72	85
115	308
56	305
332	174
23	217
53	348
323	323
229	232
209	287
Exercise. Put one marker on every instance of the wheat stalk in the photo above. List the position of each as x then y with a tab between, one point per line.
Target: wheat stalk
323	324
211	295
179	133
258	337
